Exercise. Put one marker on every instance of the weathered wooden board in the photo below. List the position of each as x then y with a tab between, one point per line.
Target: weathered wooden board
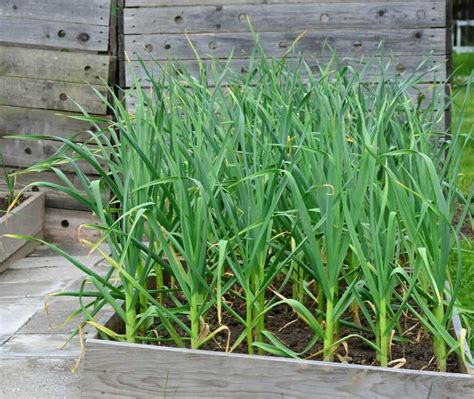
50	94
54	65
54	34
53	198
114	369
27	218
20	120
283	17
432	70
347	42
64	226
25	153
94	12
169	3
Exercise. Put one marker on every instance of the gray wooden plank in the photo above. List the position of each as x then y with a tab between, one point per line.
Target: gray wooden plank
93	12
27	218
64	226
21	120
130	370
54	34
54	198
401	66
54	65
169	3
49	94
350	42
283	17
25	153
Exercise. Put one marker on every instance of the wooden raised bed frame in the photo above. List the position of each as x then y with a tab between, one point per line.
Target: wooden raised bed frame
114	369
27	218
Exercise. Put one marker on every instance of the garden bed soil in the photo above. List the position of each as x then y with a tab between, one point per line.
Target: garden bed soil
415	353
466	228
4	203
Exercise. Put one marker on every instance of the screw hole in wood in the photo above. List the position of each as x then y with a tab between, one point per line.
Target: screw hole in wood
83	37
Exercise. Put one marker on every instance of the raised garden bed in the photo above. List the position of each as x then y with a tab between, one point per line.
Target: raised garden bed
139	371
275	215
27	219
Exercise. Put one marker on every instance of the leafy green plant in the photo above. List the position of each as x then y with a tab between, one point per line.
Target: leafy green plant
230	187
10	181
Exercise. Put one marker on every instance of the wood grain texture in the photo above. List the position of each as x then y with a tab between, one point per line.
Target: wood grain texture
25	153
53	198
123	370
50	94
54	34
433	69
346	42
283	17
20	120
93	12
54	65
64	226
27	218
169	3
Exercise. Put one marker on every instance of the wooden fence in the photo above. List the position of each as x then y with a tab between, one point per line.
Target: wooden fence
52	51
410	30
51	55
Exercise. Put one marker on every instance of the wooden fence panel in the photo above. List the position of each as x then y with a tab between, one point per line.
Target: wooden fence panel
65	225
169	3
53	53
283	17
347	42
96	12
24	121
50	94
24	153
54	65
54	34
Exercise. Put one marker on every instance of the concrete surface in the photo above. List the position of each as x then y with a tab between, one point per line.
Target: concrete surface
31	363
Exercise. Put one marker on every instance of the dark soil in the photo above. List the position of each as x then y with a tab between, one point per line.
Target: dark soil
415	352
466	229
4	203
